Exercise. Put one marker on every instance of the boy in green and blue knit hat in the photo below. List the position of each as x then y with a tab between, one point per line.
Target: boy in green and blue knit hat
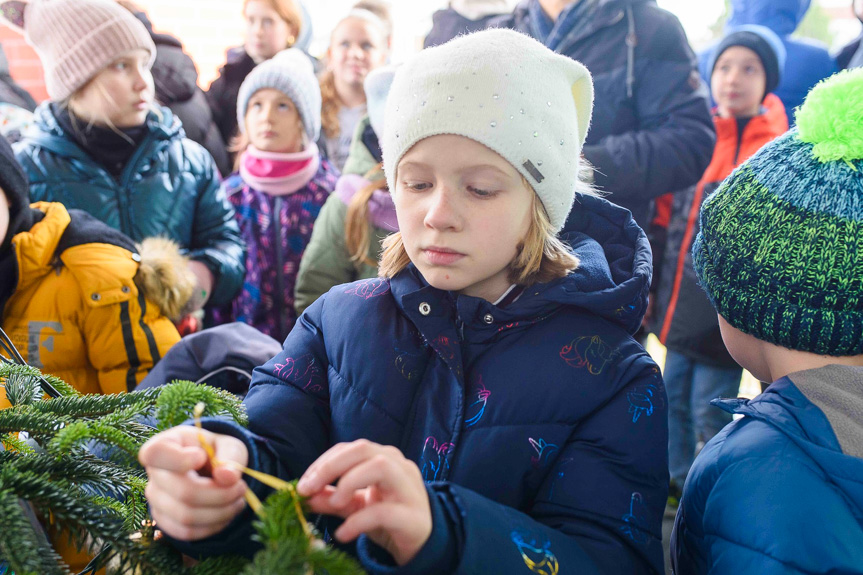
780	255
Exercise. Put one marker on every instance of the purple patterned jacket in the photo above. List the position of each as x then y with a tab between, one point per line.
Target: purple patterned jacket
273	243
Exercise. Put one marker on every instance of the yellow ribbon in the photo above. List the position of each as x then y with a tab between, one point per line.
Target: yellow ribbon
266	479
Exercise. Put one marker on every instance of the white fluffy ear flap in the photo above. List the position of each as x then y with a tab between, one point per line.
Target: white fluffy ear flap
582	94
12	14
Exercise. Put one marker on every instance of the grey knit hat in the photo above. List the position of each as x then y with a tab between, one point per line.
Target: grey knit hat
506	91
76	39
292	73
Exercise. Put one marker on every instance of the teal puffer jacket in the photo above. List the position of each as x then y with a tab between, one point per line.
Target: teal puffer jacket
169	188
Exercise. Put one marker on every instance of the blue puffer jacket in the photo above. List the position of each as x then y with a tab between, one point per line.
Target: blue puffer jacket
651	131
807	62
170	188
772	494
540	427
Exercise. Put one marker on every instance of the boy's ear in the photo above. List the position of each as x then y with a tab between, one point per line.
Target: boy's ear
12	14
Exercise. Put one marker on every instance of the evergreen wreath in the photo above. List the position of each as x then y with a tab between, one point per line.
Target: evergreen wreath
71	459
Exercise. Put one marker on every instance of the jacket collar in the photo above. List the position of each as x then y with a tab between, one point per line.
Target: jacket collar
609	12
611	281
49	134
785	408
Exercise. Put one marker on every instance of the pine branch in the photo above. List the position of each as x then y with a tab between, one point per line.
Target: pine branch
7	369
11	442
84	470
177	402
90	406
38	425
21	545
80	431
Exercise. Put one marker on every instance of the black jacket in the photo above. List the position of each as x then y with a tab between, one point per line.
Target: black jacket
651	131
223	92
448	23
176	80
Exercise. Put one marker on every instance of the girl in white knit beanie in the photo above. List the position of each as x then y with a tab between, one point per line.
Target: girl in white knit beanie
481	407
102	145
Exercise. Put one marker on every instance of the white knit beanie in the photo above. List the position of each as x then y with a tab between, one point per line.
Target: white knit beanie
505	91
293	74
76	39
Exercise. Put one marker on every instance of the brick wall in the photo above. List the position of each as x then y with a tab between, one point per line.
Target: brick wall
206	27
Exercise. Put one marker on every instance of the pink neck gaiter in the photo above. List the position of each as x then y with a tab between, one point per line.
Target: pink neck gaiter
279	174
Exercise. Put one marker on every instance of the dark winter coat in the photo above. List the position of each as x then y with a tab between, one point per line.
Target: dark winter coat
276	230
222	93
540	428
846	54
10	91
169	188
651	131
448	23
775	492
176	79
686	320
807	62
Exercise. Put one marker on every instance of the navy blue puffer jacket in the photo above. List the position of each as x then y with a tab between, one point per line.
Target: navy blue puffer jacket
539	427
169	188
651	131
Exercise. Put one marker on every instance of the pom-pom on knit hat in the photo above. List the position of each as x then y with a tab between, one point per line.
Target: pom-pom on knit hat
780	251
506	91
292	73
76	39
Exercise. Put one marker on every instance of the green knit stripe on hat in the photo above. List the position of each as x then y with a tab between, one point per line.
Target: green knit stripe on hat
781	273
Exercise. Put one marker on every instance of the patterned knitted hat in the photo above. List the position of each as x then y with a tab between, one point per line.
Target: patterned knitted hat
293	74
780	251
76	39
506	91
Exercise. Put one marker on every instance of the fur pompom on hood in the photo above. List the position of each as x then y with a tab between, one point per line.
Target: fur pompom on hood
164	276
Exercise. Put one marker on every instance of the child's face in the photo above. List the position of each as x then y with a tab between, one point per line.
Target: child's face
273	123
121	94
462	212
4	216
356	49
738	83
266	33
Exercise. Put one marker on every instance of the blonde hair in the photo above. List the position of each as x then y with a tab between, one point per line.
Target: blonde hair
289	11
357	234
541	256
101	117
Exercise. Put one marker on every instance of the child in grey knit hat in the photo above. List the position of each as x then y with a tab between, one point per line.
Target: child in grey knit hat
280	184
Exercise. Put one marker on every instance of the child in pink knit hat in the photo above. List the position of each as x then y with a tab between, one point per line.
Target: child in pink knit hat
101	144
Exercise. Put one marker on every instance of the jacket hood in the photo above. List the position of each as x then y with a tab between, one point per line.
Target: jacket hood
781	16
612	279
49	134
784	407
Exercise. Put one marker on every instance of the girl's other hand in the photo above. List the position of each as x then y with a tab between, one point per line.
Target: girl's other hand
379	493
189	499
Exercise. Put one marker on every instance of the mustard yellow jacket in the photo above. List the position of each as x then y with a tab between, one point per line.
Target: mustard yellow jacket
77	312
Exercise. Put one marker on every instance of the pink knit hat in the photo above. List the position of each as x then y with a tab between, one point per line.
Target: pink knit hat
76	39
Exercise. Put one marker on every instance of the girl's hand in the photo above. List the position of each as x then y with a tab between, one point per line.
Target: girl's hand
189	500
379	493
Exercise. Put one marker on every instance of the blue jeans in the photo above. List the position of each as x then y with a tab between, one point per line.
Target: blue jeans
692	421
